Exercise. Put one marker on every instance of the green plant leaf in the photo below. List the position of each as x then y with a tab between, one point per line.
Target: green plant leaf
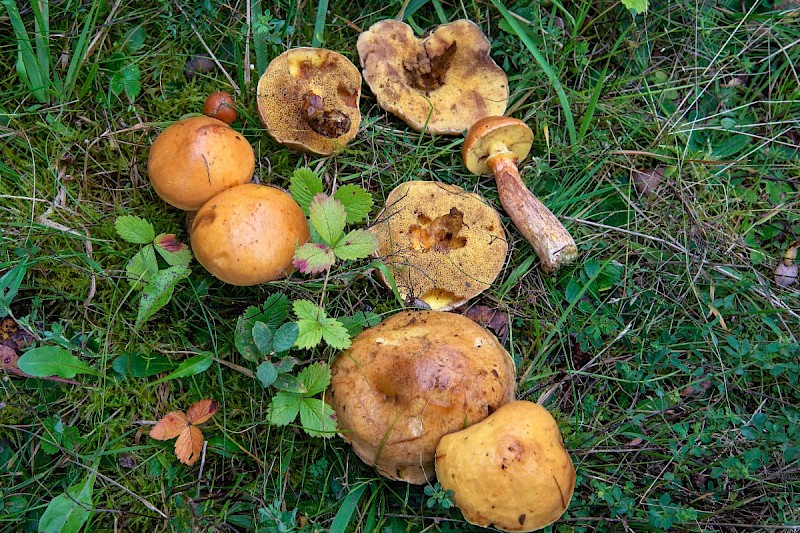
138	365
335	334
285	337
174	252
313	257
134	229
356	201
357	244
316	378
283	408
262	337
639	6
127	80
142	267
275	310
158	292
289	383
317	418
355	324
266	373
68	512
328	217
305	309
47	361
190	367
243	334
309	334
304	186
9	286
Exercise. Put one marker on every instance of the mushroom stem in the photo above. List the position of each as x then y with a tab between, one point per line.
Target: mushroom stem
549	238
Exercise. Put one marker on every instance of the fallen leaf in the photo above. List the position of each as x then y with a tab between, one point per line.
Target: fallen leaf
202	411
489	318
13	336
184	426
170	426
189	445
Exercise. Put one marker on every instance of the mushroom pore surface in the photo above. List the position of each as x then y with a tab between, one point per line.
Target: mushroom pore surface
442	83
308	100
442	244
248	234
411	379
195	158
510	470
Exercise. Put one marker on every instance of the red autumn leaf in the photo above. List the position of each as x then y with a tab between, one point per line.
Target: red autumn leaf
170	243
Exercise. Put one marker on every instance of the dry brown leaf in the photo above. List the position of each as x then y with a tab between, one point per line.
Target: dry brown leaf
202	411
189	445
184	426
170	426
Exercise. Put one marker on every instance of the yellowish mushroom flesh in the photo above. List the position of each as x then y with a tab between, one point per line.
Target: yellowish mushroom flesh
308	100
442	244
442	83
411	379
510	471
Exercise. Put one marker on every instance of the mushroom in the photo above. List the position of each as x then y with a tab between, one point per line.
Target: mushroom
510	470
442	83
220	105
494	145
411	379
248	234
195	158
308	100
442	244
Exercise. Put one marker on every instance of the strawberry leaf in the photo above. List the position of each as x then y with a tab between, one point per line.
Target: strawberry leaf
313	258
316	378
135	230
638	6
328	217
357	202
357	244
317	418
283	408
142	267
303	186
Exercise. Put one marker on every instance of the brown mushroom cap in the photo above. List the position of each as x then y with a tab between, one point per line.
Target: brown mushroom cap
248	234
308	100
510	470
493	135
440	84
411	379
195	158
442	244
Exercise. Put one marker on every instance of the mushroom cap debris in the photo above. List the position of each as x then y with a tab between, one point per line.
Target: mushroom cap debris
308	100
490	134
195	158
248	234
442	244
510	470
411	379
442	83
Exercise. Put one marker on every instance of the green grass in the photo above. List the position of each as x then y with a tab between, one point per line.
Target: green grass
667	353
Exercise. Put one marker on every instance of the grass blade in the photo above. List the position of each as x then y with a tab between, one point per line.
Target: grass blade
319	23
78	54
28	67
544	65
342	519
592	106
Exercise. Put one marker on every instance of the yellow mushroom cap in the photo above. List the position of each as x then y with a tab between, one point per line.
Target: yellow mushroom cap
510	470
442	244
195	158
411	379
442	83
248	234
284	101
493	136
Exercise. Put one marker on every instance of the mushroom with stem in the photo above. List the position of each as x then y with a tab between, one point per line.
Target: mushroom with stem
494	145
